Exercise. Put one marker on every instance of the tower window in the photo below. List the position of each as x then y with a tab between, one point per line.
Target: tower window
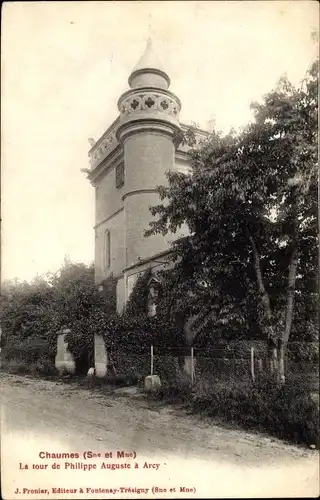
120	175
107	249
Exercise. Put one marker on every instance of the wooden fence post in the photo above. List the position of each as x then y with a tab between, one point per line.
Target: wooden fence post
152	360
192	366
252	364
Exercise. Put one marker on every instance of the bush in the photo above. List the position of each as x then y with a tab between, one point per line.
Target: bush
127	362
287	412
16	367
45	368
123	380
29	351
178	392
42	368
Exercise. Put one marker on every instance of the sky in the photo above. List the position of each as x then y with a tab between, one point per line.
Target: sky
64	66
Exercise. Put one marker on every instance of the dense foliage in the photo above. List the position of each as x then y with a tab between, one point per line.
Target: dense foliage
250	259
135	330
26	317
32	314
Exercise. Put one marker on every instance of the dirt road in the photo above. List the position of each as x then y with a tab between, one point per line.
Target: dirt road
185	454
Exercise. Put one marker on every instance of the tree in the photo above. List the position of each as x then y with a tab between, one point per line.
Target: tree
79	304
30	312
250	206
25	319
23	307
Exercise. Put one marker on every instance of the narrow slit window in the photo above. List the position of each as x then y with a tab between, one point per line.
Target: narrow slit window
120	175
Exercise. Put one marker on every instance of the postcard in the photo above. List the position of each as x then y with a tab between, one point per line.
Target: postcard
159	307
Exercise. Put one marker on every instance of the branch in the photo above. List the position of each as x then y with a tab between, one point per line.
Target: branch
291	278
261	287
293	266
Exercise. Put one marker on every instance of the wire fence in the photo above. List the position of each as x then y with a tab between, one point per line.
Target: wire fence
227	363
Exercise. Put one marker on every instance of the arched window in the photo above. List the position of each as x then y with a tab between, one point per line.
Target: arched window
107	249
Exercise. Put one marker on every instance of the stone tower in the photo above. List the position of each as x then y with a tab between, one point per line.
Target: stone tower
128	162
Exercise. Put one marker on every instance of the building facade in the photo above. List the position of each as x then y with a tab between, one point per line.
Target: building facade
127	164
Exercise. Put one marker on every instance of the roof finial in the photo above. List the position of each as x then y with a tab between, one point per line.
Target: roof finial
149	27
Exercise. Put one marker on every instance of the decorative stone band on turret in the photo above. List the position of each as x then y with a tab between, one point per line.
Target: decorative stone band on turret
142	109
144	100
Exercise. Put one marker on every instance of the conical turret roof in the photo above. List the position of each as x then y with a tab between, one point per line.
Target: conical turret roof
149	63
149	59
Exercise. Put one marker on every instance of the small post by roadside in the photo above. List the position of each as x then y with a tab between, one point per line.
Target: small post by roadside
151	360
152	382
252	364
192	366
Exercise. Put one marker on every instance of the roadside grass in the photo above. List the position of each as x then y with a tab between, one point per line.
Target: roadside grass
288	412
